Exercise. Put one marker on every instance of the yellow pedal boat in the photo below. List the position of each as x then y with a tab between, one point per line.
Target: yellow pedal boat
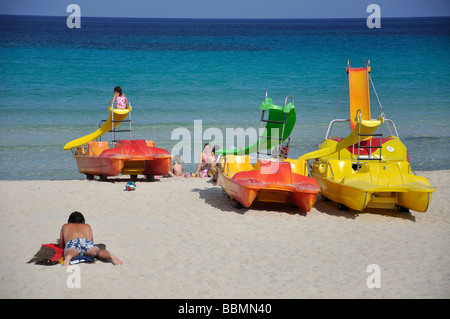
366	169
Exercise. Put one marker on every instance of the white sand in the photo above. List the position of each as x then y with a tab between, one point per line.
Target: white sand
182	238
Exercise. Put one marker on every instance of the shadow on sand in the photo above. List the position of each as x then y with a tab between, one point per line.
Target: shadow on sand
124	179
217	198
331	208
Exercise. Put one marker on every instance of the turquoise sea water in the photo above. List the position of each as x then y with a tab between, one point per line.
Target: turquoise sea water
55	82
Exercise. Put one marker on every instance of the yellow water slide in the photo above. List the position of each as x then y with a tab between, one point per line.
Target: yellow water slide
358	79
367	127
115	115
358	87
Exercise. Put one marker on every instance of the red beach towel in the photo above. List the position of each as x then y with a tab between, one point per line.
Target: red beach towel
59	252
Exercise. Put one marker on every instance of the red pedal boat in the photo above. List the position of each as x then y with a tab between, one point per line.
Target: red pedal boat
128	157
267	181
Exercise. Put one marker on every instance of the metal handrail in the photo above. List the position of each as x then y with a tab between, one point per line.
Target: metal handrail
113	128
332	122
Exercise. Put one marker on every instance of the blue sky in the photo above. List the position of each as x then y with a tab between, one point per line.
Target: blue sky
228	8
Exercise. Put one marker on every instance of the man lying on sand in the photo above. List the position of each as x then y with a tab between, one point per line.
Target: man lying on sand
76	238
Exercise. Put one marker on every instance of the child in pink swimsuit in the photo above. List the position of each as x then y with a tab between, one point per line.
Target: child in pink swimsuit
120	98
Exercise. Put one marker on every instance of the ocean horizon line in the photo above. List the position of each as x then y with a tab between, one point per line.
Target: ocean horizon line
225	19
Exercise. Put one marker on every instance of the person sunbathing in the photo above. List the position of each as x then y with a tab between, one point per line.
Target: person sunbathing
76	238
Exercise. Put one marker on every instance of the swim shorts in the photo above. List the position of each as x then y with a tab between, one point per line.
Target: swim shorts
80	244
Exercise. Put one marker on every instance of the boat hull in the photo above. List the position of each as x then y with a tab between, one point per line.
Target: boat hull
375	185
270	182
95	165
147	166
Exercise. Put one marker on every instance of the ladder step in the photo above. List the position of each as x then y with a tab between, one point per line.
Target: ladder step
368	159
370	134
270	121
271	138
361	146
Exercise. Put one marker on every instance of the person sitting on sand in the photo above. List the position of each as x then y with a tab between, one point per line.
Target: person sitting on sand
206	159
120	98
177	169
76	238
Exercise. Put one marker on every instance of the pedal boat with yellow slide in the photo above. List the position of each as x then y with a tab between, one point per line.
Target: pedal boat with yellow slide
128	157
366	169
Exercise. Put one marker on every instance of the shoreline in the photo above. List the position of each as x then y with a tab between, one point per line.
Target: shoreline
140	178
183	238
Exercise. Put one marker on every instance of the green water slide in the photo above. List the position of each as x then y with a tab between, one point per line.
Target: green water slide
278	127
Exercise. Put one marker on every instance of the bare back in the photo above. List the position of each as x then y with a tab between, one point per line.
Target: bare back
74	230
178	169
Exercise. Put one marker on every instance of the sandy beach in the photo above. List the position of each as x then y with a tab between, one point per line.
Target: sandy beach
183	238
